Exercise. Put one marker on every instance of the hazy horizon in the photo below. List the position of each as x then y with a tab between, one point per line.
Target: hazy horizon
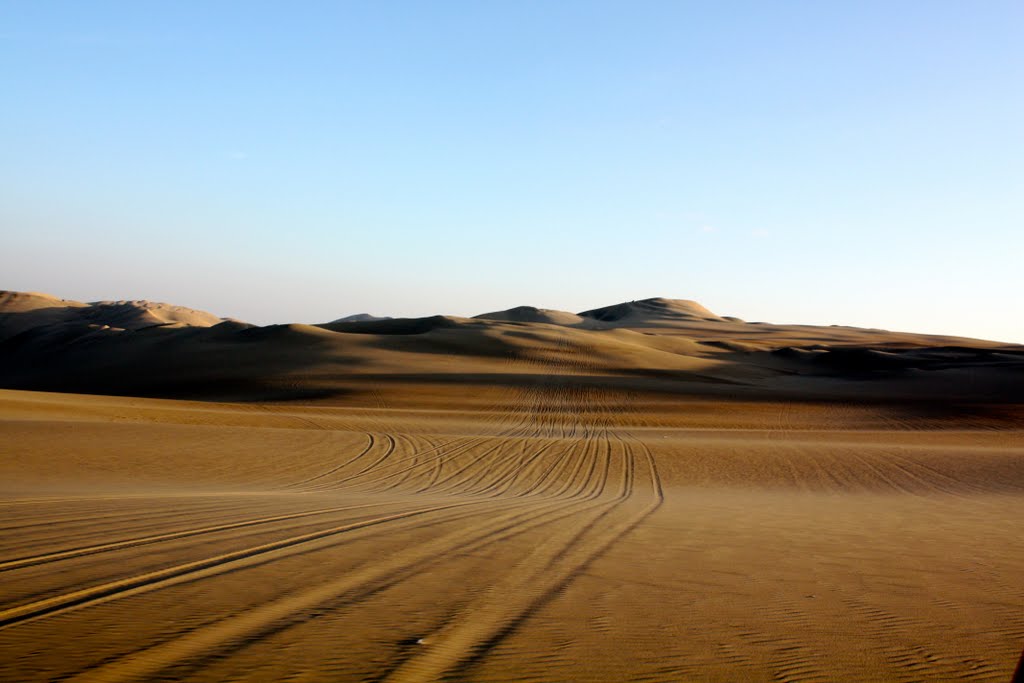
797	163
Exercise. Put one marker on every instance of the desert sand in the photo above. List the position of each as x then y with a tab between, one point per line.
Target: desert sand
643	492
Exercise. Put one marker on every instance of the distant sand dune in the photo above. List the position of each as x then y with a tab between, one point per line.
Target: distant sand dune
651	311
22	311
361	318
530	314
663	345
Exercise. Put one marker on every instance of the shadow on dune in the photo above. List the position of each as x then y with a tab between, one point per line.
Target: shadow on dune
663	347
227	362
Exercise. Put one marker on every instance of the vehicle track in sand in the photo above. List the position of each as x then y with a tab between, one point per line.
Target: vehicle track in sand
69	553
513	518
371	442
190	571
555	472
53	530
535	580
550	566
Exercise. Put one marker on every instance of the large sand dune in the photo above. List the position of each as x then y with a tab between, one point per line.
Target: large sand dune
666	495
660	345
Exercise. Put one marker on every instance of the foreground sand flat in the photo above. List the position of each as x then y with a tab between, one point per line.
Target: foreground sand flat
568	539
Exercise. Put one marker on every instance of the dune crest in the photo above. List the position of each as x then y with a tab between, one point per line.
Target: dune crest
667	345
20	302
361	318
531	314
132	315
44	315
651	310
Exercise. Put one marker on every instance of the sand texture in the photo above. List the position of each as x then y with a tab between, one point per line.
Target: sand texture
645	492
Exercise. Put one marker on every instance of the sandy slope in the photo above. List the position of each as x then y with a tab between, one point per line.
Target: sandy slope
530	314
656	345
642	492
543	533
22	312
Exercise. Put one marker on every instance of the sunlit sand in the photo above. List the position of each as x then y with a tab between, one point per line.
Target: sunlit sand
647	492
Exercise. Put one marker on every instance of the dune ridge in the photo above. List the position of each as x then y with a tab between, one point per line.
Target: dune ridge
24	311
532	314
660	345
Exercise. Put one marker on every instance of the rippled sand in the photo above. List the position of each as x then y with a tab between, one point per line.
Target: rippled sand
549	533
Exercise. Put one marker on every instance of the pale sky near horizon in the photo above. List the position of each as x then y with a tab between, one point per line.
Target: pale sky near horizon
856	163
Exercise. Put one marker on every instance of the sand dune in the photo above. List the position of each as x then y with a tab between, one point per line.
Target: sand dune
658	494
26	311
361	318
132	315
659	345
650	312
21	302
530	314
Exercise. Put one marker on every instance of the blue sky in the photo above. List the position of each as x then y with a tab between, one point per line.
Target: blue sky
853	163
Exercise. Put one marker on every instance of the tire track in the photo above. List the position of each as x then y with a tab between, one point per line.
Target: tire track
369	446
539	577
56	556
577	499
507	480
125	524
388	450
466	445
191	571
581	493
238	630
